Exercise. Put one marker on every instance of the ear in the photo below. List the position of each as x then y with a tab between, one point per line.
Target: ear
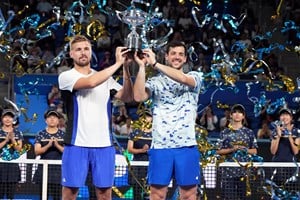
166	56
71	54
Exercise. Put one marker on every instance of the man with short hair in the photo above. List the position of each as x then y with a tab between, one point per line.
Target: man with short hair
173	152
87	101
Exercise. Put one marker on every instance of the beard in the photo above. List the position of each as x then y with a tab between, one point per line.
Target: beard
82	63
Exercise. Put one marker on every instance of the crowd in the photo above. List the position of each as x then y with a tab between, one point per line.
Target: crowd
42	51
79	121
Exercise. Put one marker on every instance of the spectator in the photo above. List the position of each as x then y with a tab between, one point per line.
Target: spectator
11	141
225	120
34	60
97	15
186	25
119	108
62	125
44	7
201	65
234	139
54	96
47	57
167	8
264	132
64	66
185	21
123	127
208	119
285	141
106	61
285	146
139	142
113	23
49	146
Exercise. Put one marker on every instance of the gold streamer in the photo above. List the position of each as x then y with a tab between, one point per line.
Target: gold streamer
222	106
277	11
118	192
24	112
20	12
42	25
142	185
19	70
21	32
91	9
196	2
182	2
77	28
288	82
96	29
205	147
141	123
2	75
229	79
246	178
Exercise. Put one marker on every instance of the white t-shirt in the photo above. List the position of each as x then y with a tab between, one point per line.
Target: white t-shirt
88	110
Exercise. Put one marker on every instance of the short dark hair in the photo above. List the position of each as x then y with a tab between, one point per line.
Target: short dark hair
176	44
238	107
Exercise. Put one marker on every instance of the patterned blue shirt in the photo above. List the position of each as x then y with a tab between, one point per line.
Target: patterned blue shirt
229	138
43	138
242	136
18	135
284	152
140	138
174	111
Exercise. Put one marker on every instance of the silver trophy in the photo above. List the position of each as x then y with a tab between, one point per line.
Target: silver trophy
133	17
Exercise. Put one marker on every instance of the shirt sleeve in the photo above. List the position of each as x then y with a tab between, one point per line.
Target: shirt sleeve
67	79
38	138
19	135
113	84
198	76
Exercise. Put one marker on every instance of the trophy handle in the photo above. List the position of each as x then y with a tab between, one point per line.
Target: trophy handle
119	13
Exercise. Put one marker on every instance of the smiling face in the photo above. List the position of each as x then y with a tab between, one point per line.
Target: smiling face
176	57
7	120
286	118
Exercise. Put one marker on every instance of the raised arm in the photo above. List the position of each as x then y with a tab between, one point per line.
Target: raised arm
103	75
126	93
294	144
275	141
139	90
173	73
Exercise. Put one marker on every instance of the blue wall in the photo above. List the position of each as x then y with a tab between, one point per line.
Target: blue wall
31	95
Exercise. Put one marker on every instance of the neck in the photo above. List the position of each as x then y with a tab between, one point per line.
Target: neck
7	127
52	129
236	125
84	70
